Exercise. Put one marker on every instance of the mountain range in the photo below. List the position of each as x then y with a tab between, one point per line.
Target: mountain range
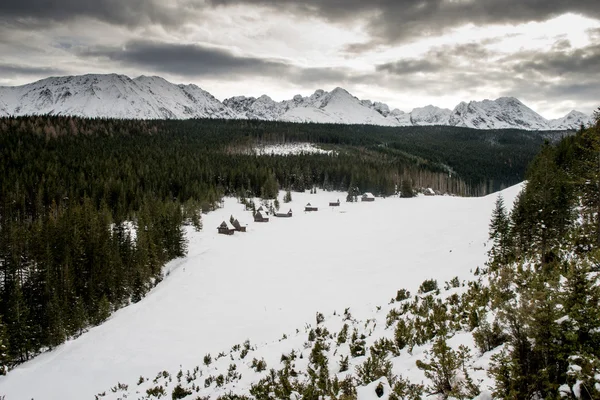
118	96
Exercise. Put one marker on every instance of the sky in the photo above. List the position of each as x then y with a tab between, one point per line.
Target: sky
406	53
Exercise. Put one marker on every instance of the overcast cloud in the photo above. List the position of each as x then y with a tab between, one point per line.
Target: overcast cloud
408	53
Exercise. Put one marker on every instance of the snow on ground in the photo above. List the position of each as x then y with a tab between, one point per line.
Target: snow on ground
265	283
288	149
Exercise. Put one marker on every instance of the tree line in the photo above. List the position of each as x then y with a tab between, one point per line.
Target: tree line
545	275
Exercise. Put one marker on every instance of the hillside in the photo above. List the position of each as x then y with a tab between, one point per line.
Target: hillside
118	96
267	283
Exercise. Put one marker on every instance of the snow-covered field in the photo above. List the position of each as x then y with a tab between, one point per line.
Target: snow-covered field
288	149
265	283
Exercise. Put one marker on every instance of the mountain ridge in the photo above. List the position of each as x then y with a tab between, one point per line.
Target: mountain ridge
153	97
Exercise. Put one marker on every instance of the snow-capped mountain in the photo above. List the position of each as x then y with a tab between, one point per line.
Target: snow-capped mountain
118	96
112	96
572	120
505	112
430	115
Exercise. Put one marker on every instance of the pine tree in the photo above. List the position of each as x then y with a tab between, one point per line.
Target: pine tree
499	232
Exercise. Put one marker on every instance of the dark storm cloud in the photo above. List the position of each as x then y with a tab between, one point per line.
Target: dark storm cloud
392	21
201	61
120	12
388	21
12	70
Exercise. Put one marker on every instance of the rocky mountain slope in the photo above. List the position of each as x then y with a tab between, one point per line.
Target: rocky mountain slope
118	96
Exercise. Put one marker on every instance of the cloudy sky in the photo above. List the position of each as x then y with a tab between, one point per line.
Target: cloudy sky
407	53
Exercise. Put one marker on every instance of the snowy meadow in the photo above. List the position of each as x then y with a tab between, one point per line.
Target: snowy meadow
268	284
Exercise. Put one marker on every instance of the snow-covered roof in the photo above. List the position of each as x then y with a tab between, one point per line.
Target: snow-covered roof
227	224
369	195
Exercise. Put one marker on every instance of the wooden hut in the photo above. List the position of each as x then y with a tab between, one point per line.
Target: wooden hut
334	203
284	215
260	216
238	227
429	192
226	228
368	197
309	207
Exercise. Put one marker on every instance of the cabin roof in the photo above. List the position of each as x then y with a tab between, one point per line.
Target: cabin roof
236	222
369	195
227	224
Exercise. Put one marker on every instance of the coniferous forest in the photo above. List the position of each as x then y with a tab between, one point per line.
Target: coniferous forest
91	210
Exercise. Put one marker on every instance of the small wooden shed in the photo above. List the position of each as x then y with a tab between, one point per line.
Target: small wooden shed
238	227
226	228
368	197
260	216
334	203
284	215
429	192
310	207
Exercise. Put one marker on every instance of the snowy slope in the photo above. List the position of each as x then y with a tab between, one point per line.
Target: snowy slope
267	282
118	96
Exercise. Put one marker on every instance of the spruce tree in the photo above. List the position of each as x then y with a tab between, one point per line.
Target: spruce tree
499	232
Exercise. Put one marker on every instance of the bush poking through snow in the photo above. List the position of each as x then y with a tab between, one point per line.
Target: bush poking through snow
343	335
374	368
428	285
207	360
446	369
179	393
259	365
320	318
402	294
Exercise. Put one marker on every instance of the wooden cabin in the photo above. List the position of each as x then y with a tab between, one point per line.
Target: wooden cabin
309	207
368	197
260	216
429	192
334	203
226	228
284	215
238	227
